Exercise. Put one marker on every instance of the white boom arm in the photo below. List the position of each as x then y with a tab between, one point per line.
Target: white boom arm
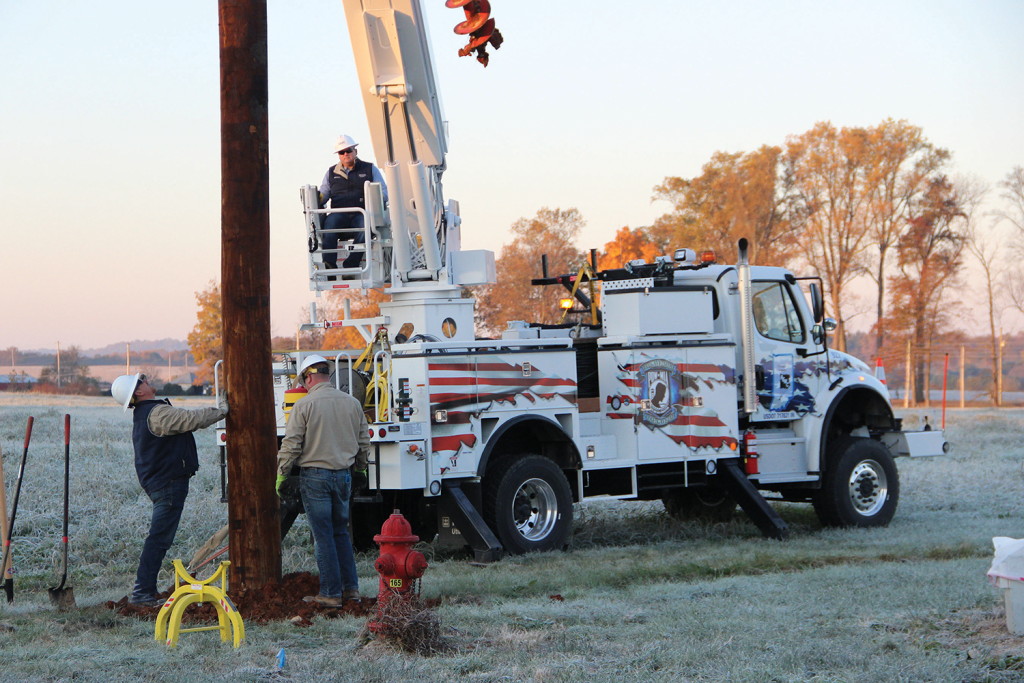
403	108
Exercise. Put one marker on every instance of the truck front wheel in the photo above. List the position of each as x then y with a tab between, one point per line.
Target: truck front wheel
528	504
861	486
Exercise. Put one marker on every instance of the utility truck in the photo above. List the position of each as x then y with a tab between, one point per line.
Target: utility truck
702	384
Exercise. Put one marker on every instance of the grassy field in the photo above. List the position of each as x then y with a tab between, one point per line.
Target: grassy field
639	597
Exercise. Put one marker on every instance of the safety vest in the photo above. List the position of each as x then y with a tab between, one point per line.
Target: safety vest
348	192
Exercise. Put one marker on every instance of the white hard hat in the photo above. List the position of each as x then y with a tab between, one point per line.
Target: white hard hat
344	142
123	389
310	361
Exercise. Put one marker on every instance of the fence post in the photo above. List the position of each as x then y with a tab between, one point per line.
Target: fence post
962	397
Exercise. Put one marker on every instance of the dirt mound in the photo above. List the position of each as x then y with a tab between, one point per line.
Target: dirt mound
274	602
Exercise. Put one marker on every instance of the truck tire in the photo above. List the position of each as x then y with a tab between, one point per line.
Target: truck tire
701	504
861	487
528	505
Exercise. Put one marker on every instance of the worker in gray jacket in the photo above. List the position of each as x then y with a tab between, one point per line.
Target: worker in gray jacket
326	436
165	460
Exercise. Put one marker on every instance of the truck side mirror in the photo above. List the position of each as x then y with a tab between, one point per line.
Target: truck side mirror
817	303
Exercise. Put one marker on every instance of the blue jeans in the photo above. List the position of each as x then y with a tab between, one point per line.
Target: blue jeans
168	503
325	495
329	240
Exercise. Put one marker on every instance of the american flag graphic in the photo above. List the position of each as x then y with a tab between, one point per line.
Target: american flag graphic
689	423
467	389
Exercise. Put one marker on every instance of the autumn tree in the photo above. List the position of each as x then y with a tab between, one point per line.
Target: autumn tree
628	245
930	256
736	195
206	339
828	168
552	232
983	243
899	163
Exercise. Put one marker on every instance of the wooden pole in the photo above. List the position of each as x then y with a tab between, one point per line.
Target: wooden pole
962	384
58	365
908	385
999	372
255	532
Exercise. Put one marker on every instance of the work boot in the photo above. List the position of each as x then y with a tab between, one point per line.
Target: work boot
325	600
352	594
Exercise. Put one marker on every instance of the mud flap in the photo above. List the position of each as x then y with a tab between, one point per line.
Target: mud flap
456	504
761	513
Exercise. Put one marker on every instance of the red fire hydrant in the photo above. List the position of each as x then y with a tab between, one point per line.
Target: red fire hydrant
398	565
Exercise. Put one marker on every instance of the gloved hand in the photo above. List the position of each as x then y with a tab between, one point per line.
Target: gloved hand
360	480
280	480
222	403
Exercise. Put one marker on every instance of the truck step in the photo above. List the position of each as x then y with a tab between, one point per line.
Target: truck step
456	504
761	513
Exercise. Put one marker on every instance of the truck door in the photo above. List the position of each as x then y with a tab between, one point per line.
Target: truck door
788	377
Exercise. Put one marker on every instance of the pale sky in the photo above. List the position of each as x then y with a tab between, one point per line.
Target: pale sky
110	119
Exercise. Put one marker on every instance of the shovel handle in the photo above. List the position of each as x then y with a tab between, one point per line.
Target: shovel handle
28	431
67	430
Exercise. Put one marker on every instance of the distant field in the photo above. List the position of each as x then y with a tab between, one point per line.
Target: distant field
104	373
640	596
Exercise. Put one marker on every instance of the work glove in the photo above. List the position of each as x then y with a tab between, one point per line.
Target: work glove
280	480
360	480
222	403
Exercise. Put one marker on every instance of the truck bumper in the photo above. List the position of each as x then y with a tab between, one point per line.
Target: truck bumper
916	444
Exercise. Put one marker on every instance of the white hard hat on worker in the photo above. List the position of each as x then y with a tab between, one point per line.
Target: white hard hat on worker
344	142
311	364
123	389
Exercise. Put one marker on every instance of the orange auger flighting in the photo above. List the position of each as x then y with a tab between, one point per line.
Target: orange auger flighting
478	26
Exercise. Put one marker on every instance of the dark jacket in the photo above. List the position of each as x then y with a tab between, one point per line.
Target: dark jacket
160	459
348	192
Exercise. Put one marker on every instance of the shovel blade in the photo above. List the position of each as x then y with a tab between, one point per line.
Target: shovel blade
62	598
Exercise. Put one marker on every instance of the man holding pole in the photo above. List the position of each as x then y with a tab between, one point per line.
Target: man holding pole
165	460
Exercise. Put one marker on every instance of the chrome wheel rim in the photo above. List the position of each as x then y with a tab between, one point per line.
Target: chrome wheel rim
869	488
535	509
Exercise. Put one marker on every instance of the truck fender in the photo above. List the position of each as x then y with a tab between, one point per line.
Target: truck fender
865	396
543	429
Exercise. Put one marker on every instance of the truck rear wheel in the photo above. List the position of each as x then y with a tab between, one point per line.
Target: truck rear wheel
861	486
528	505
710	505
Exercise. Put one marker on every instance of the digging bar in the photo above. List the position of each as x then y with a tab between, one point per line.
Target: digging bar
9	587
8	574
64	598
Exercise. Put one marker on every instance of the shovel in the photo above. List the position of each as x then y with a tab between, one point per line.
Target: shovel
9	583
64	598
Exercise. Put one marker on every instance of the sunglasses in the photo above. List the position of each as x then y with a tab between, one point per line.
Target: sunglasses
350	150
142	380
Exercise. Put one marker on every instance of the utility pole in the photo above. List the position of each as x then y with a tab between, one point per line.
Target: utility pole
58	365
127	358
255	531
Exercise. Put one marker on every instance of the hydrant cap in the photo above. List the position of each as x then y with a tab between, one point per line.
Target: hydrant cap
396	530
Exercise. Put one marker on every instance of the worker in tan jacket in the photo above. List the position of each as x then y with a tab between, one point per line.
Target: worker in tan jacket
326	435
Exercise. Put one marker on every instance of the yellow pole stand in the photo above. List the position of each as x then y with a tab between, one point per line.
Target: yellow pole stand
168	622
